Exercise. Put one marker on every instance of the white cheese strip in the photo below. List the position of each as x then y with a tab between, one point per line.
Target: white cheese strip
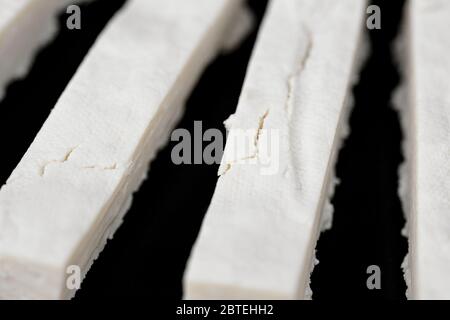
425	185
25	25
258	237
74	184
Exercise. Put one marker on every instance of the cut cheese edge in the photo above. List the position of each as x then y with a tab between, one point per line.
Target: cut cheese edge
71	189
425	185
25	25
258	237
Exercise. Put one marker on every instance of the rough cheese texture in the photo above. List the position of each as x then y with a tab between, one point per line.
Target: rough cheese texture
258	237
25	25
425	185
71	189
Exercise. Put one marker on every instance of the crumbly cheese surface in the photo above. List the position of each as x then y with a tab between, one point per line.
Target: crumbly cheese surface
258	237
74	184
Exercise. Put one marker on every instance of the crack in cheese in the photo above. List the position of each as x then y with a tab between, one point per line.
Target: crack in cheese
258	237
424	103
74	184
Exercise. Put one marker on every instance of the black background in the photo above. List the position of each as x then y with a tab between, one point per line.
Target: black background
148	254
